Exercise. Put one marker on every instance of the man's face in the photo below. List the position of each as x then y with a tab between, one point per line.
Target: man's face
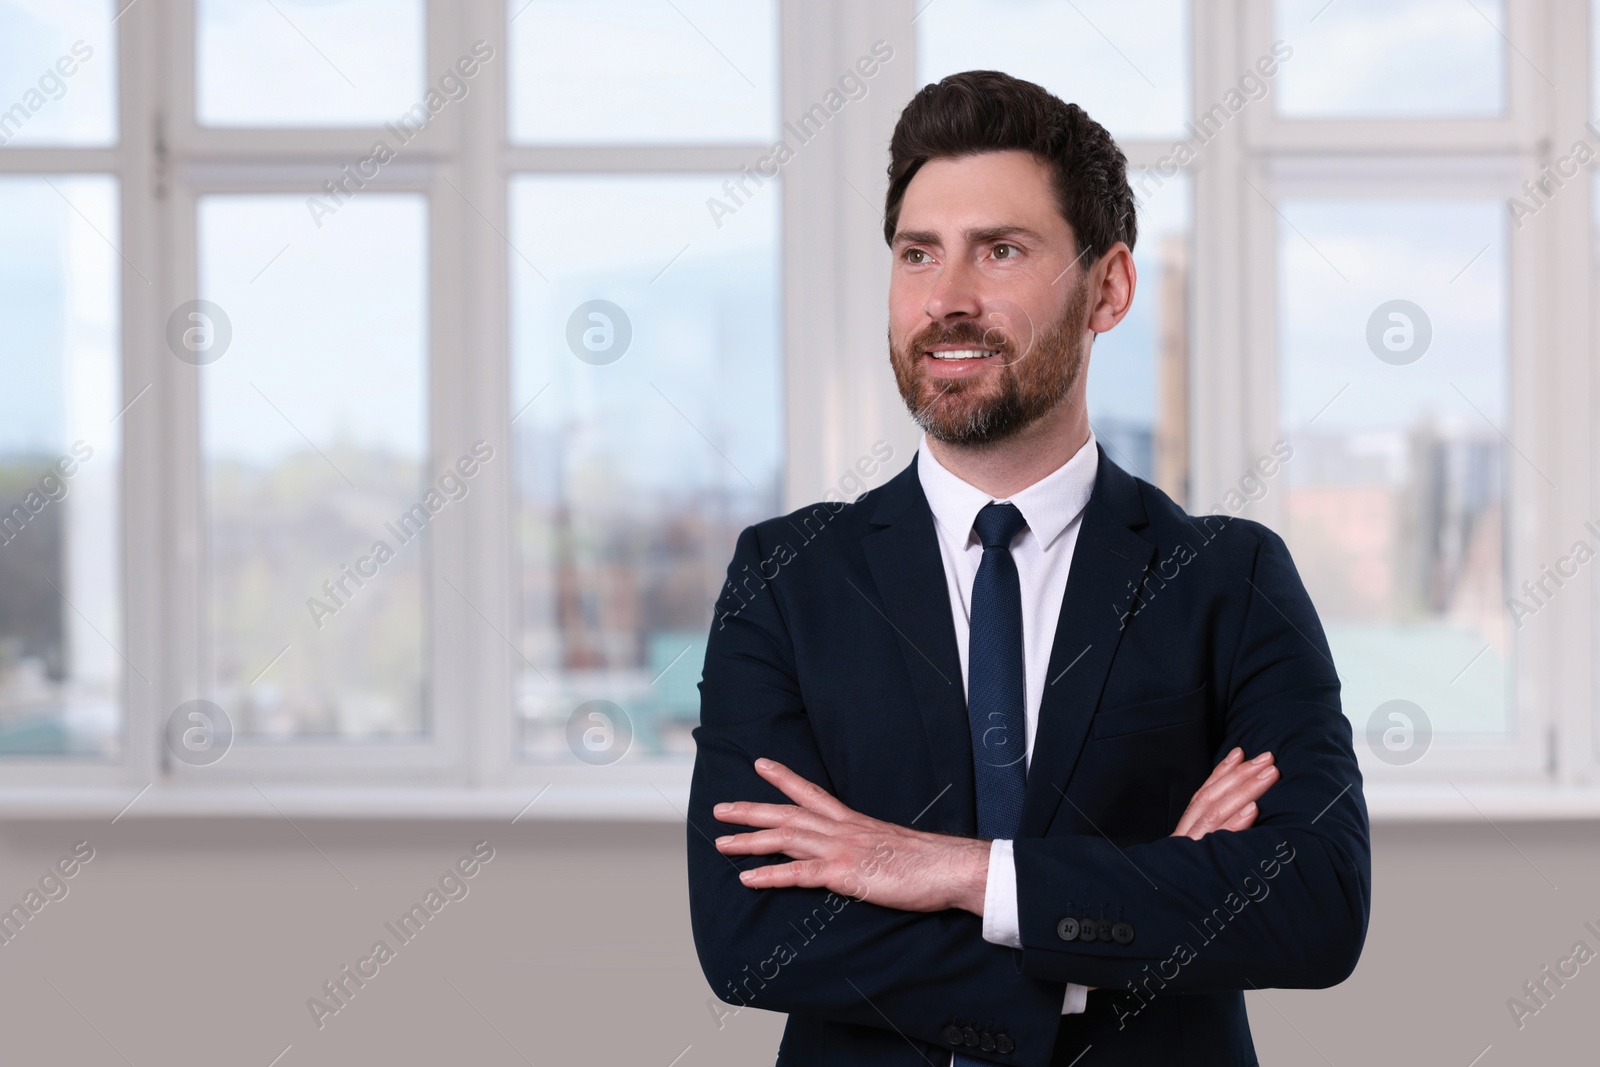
987	306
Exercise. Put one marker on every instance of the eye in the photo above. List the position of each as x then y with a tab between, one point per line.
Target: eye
913	252
1003	251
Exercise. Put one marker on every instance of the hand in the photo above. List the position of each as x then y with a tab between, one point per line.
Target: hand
1227	800
863	858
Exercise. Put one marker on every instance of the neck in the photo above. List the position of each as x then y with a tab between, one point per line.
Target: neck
1005	468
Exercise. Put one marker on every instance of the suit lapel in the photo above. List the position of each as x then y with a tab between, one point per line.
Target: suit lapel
902	553
1108	563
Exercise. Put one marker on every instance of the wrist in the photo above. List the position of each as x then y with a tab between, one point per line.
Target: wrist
971	875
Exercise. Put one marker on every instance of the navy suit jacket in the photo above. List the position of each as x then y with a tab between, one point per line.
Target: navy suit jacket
833	651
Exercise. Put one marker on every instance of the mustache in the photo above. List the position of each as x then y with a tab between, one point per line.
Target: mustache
1007	329
962	333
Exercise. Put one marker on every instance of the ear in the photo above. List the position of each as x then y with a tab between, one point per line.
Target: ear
1111	284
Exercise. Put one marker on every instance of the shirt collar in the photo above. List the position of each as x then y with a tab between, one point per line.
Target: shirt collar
1049	504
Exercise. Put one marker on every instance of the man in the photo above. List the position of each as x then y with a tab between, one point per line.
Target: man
951	801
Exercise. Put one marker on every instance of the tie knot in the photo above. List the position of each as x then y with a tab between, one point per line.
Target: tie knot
998	524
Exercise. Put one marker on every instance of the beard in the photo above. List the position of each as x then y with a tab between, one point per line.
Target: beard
1034	374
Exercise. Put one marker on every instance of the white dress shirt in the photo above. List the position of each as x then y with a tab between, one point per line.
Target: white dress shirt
1053	507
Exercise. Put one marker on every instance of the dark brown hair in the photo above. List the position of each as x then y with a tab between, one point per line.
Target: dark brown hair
988	111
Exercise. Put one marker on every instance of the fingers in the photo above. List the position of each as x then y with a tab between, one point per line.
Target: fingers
807	794
1241	774
1240	790
807	873
810	798
1243	819
754	813
810	872
1232	786
789	840
1190	813
1218	815
1240	793
1229	762
1212	786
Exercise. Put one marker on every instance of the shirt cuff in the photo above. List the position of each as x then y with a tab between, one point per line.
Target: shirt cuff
1076	1000
1001	925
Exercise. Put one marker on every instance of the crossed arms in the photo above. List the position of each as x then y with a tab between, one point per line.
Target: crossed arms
867	922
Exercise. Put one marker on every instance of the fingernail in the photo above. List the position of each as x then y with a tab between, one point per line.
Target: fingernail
725	839
764	763
744	876
722	809
1235	754
1268	773
1250	807
1264	757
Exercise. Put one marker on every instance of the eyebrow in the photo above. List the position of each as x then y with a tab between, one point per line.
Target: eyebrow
973	236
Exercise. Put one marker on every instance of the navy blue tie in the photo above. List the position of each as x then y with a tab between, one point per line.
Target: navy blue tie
994	672
994	685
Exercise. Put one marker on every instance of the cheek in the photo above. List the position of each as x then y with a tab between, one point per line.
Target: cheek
1014	319
906	314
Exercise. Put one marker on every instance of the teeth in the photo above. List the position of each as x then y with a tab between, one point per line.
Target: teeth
964	353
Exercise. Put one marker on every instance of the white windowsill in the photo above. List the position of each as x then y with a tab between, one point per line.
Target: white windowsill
664	800
1439	802
558	803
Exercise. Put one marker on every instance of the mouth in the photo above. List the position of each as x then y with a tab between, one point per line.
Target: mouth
957	354
954	363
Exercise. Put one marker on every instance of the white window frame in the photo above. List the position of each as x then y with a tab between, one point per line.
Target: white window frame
838	400
1546	763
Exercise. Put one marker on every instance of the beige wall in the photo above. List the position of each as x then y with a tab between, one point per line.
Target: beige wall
199	942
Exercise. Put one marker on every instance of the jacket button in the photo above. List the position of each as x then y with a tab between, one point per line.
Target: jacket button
986	1041
1102	930
969	1037
1067	929
952	1034
1003	1044
1086	930
1122	933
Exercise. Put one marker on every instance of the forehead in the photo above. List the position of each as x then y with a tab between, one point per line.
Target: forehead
991	188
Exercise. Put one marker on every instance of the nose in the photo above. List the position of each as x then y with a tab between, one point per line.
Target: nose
955	292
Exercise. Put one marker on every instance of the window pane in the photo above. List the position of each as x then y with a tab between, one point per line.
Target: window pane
308	62
1395	401
1125	62
1393	58
61	642
315	447
648	433
58	72
644	72
1138	391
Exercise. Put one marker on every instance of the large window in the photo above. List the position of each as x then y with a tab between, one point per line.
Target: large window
387	383
1404	367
